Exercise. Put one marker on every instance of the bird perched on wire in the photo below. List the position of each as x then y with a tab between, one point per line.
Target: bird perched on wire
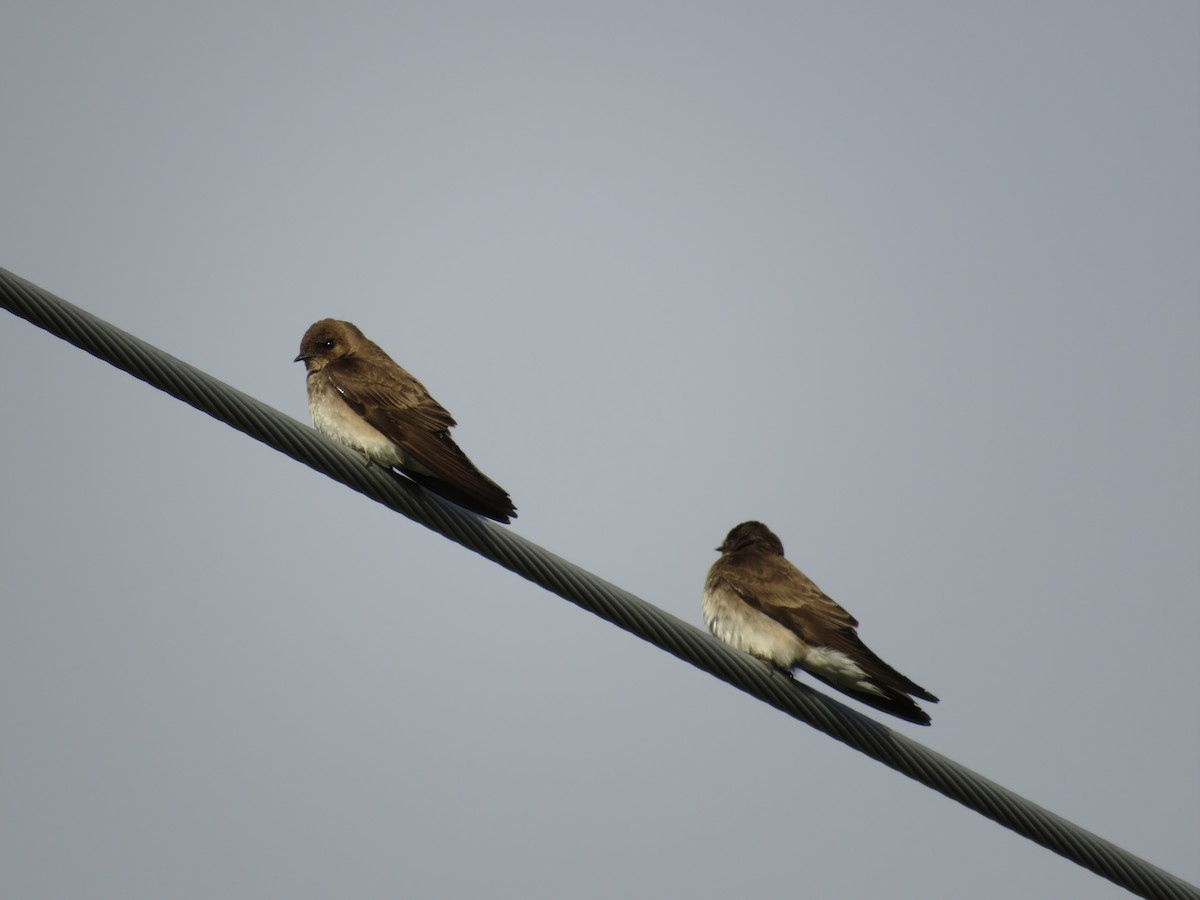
757	601
360	397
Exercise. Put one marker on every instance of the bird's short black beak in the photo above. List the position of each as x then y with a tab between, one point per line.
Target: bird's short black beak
301	358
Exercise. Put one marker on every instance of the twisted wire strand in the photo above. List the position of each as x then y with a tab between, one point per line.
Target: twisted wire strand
503	546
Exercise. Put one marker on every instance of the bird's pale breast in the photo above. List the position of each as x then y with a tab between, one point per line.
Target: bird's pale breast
740	625
334	418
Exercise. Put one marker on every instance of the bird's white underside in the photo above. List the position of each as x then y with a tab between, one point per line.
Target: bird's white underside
335	419
740	625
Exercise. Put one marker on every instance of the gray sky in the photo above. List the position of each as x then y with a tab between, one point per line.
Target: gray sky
915	284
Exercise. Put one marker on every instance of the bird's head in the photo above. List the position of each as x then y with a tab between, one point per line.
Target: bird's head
751	534
326	341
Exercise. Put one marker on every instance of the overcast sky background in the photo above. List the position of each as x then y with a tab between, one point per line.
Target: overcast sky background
915	284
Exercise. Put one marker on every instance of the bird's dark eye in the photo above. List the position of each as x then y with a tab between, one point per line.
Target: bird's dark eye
328	345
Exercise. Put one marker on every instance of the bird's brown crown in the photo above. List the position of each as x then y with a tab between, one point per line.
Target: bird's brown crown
751	534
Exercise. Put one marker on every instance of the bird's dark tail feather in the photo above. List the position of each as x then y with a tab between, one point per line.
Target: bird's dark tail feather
899	705
488	499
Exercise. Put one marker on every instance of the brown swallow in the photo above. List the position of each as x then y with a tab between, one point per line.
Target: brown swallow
361	398
757	601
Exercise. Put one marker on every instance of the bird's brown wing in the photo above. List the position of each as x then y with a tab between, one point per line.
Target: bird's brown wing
780	590
402	410
774	586
383	396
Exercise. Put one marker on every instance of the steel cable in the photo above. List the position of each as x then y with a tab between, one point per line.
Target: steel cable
509	549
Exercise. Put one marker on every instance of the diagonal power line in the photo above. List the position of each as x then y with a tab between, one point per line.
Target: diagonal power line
503	546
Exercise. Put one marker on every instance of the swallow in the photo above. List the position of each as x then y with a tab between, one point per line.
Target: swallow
758	602
360	397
